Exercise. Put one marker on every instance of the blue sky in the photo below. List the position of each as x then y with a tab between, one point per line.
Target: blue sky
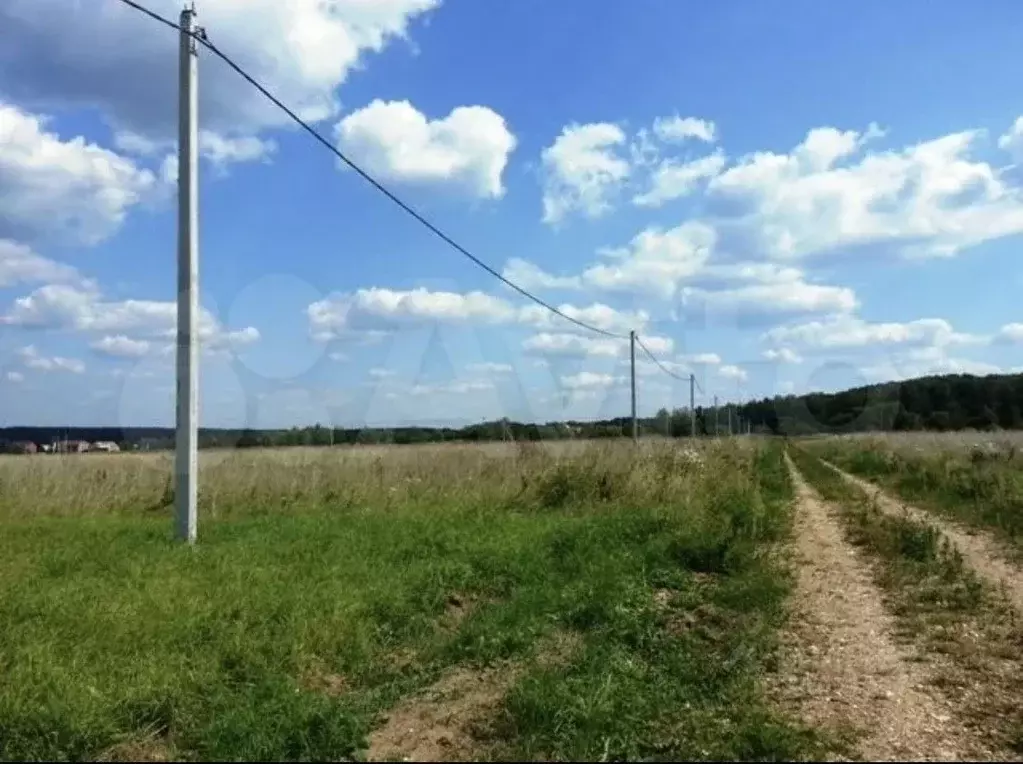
777	197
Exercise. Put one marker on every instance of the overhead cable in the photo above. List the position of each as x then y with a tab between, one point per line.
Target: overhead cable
202	39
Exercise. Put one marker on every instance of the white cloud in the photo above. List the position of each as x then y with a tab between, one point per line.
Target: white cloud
103	54
530	276
83	308
930	199
380	309
922	362
655	261
1011	332
120	346
597	315
20	265
730	371
223	150
676	129
15	376
469	147
489	367
701	359
579	346
377	308
783	355
588	380
846	332
38	362
1012	140
780	297
69	190
583	170
456	387
381	373
673	179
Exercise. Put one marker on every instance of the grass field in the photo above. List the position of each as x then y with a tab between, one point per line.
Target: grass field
613	601
975	478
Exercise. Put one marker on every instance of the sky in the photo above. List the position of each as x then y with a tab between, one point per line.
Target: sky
777	198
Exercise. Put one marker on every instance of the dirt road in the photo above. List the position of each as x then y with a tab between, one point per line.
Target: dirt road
979	548
844	669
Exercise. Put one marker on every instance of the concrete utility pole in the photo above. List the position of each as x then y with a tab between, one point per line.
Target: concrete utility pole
186	459
717	430
632	357
729	419
692	405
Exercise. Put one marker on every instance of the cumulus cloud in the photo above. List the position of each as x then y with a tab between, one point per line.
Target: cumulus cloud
83	308
1011	332
489	367
20	265
583	170
69	190
120	346
847	332
107	56
531	276
568	345
1012	140
380	309
783	355
676	128
922	362
673	179
588	380
655	261
730	371
930	199
469	147
33	360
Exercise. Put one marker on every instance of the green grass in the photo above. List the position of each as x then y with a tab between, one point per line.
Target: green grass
979	487
113	635
941	605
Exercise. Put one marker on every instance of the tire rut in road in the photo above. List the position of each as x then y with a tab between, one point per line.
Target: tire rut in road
844	668
979	549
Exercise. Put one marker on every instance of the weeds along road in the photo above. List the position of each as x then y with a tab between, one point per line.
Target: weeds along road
981	550
845	669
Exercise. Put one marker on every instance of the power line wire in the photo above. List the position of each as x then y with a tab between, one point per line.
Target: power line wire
202	39
665	369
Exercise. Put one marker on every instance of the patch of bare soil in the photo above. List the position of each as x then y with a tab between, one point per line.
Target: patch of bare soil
143	749
444	722
979	549
843	670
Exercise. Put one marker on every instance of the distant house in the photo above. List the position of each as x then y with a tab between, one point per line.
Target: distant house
106	446
70	446
24	447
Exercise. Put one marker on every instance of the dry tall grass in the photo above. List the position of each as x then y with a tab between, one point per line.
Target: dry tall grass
273	480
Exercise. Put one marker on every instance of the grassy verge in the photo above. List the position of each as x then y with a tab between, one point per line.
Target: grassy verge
286	633
982	486
956	620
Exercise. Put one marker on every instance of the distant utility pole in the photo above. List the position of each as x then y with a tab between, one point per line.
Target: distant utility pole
717	430
186	462
729	419
692	405
632	357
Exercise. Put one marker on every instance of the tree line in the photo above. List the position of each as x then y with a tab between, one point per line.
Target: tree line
947	402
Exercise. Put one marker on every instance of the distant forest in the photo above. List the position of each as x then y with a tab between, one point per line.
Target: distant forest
948	402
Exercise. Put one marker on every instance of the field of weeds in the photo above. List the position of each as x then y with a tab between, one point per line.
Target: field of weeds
601	602
972	477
